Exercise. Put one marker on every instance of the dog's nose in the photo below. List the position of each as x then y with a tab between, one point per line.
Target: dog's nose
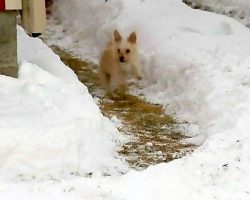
122	60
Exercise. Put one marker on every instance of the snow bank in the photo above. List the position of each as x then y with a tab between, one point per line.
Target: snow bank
50	126
197	64
239	9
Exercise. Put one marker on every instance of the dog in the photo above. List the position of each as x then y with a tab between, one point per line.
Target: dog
118	62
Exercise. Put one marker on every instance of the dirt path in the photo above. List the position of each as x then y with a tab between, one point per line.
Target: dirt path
155	135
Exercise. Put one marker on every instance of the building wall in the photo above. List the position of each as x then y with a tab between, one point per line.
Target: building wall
8	43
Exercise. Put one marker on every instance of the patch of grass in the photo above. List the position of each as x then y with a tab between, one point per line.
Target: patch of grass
83	69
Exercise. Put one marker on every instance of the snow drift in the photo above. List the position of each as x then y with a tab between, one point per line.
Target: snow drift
50	125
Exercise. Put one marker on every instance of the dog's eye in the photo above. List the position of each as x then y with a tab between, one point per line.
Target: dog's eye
118	50
127	50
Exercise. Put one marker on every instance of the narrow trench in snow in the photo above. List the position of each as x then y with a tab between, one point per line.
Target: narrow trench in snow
155	135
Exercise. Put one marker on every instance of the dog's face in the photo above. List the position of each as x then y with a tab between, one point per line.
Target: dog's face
124	49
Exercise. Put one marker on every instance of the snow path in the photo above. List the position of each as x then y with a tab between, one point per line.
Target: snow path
155	136
198	65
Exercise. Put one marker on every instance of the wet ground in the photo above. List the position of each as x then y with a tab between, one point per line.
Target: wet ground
155	135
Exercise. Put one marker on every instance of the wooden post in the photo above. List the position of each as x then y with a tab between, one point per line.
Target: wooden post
33	16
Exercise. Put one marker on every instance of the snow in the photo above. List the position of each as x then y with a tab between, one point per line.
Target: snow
34	51
239	9
50	125
196	63
198	70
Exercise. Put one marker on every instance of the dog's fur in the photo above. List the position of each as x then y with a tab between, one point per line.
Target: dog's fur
118	61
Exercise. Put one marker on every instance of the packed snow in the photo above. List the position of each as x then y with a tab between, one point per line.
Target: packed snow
196	63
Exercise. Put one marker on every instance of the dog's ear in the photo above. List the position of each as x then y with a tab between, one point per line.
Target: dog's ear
132	38
117	36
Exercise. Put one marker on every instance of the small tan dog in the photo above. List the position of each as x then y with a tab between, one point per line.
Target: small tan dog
118	61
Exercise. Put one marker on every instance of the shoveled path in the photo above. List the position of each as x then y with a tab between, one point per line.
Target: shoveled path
155	135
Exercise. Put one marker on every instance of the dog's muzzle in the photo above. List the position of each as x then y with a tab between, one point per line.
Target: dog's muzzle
122	60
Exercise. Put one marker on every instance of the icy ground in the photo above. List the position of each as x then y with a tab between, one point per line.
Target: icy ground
196	63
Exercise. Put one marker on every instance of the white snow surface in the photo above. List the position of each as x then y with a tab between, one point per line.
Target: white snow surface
50	125
196	63
239	9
